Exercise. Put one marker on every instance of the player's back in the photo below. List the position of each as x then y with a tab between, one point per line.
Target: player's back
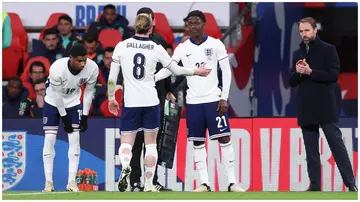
61	75
210	51
138	58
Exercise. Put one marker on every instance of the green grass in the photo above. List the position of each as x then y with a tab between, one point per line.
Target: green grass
12	195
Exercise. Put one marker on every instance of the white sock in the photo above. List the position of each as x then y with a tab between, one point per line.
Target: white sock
49	153
200	162
228	158
73	154
125	158
151	151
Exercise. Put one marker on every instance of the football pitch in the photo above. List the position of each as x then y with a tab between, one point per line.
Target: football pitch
14	195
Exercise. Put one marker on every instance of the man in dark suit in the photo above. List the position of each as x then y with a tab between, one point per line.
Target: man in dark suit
315	70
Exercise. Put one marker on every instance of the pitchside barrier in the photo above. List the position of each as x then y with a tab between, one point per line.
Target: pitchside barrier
269	156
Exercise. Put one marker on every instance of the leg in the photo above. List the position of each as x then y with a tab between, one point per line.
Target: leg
219	128
130	125
151	123
51	126
195	122
338	149
311	141
135	160
74	146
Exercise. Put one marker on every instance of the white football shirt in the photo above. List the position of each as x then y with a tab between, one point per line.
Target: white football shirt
61	75
137	57
210	51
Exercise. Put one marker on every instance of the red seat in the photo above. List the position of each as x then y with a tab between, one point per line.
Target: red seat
104	106
109	37
26	74
211	27
163	28
51	22
12	57
19	34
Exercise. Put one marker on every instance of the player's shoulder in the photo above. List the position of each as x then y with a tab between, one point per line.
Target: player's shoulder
91	64
214	41
59	65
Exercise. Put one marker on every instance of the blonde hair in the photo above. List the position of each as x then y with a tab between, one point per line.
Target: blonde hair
143	23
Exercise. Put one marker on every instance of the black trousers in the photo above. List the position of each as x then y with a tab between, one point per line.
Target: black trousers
334	138
136	152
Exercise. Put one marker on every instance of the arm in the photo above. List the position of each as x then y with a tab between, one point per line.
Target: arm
7	33
89	92
113	75
332	62
57	88
162	74
226	77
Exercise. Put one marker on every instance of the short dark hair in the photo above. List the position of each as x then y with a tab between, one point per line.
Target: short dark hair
109	49
109	6
78	49
50	31
146	10
65	17
90	37
39	81
196	13
37	63
309	20
15	78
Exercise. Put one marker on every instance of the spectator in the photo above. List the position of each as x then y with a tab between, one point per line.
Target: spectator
185	36
6	30
38	102
37	72
67	35
49	47
111	20
93	46
101	86
104	65
15	99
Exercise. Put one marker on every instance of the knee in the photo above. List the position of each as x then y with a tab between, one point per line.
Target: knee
224	140
198	143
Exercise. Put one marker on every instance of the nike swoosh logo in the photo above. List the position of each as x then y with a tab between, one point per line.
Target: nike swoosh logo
187	55
221	130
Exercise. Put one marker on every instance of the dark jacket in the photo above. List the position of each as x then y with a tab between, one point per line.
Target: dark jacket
120	23
163	86
39	49
317	96
17	107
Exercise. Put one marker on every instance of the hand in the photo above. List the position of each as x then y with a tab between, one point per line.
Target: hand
202	71
222	107
171	97
300	67
83	123
306	67
67	124
113	107
40	101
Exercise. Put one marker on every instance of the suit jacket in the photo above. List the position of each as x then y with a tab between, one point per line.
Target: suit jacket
317	94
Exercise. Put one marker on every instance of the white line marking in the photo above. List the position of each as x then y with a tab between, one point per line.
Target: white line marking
38	193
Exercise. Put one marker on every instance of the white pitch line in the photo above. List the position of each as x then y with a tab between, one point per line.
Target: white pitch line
38	193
